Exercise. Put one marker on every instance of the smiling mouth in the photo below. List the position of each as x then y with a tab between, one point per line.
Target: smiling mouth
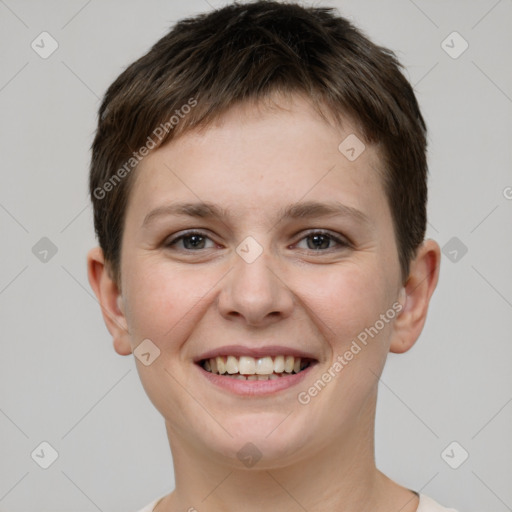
250	368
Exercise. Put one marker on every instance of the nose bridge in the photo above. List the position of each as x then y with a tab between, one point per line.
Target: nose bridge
254	289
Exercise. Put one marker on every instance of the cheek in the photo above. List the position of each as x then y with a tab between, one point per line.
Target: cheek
164	300
344	299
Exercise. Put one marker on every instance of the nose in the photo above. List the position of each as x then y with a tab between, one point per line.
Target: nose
255	293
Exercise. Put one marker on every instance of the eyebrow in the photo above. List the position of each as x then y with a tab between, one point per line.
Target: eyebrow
308	209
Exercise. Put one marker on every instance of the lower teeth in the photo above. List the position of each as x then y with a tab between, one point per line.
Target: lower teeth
271	376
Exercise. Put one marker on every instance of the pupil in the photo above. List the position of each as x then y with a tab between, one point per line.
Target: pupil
321	238
193	240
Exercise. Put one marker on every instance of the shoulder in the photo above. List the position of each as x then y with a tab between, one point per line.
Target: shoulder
427	504
151	506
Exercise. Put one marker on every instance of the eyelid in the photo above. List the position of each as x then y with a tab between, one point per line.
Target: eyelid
173	239
341	240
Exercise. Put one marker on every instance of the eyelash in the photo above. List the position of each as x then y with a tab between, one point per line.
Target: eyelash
341	242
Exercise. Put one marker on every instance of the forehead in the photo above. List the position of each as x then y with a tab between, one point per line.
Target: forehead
260	155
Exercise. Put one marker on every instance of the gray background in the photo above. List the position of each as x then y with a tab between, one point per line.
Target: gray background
62	382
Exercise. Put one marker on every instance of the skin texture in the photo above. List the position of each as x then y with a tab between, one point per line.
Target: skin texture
254	161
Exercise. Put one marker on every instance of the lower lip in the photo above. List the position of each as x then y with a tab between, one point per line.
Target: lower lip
255	387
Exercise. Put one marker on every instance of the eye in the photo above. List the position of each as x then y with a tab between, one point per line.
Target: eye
317	241
320	241
193	240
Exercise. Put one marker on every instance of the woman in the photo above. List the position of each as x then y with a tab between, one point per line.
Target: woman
259	190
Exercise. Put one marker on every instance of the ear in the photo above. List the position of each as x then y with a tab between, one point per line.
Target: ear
420	285
110	300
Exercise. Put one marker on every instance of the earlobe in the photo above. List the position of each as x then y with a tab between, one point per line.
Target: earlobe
420	285
108	295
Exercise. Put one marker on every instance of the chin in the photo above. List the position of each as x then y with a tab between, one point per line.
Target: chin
261	440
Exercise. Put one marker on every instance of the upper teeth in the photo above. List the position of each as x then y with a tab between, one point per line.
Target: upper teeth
247	365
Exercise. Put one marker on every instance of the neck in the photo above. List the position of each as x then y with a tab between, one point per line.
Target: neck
339	477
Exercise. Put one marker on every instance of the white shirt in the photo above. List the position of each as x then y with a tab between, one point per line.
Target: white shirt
426	504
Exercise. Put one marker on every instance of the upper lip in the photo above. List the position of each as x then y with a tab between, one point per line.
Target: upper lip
256	352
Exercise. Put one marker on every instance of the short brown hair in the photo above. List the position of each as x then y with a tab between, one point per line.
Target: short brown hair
246	52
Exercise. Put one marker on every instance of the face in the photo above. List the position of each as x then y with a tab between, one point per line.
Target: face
293	257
